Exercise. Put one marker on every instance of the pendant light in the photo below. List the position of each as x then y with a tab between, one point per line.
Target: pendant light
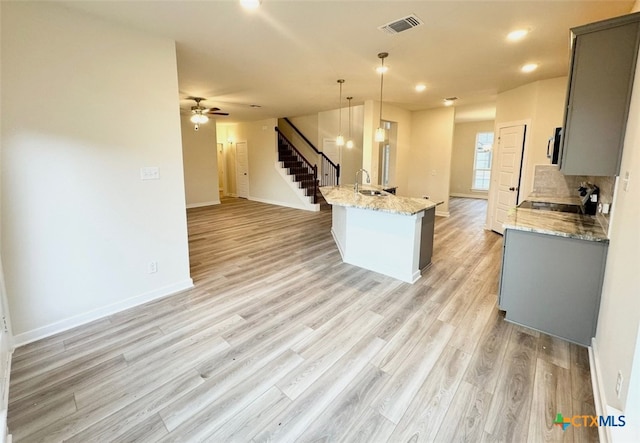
349	140
380	133
340	138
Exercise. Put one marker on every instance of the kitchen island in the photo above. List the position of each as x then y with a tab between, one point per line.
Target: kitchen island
379	231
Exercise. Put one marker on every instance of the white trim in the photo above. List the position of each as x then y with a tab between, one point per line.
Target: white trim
200	205
599	398
306	202
316	207
482	195
335	239
81	319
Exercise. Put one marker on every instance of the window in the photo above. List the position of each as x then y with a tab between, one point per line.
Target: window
482	161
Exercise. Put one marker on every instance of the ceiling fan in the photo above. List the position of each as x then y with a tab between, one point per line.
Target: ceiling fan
199	113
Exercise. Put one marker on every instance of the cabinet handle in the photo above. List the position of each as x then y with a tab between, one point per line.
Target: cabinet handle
513	189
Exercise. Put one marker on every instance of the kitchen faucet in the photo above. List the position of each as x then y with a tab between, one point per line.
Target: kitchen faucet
355	187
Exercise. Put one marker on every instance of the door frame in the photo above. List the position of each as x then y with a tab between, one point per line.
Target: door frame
493	190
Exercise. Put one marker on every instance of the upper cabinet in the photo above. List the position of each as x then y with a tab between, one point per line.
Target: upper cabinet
603	64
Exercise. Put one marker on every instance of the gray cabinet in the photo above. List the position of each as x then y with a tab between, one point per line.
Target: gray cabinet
600	81
552	283
426	238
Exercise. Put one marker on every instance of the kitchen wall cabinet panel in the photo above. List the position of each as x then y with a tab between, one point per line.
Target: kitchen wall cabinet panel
552	283
600	81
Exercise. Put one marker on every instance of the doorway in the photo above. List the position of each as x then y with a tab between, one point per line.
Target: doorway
386	154
221	175
507	173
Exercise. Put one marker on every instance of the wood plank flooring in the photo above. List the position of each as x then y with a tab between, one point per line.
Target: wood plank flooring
281	341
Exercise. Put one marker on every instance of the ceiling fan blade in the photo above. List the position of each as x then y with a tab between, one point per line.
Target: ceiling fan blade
218	113
212	109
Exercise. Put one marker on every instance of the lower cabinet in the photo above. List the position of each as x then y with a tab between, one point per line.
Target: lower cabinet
552	283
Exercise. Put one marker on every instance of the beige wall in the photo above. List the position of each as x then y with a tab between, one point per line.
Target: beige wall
617	337
200	164
79	226
463	154
541	105
542	102
430	155
351	159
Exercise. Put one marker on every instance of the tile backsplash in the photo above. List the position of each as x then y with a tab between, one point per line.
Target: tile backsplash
548	180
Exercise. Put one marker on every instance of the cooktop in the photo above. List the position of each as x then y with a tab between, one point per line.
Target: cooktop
546	206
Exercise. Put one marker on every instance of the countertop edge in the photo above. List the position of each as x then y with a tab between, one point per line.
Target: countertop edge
350	200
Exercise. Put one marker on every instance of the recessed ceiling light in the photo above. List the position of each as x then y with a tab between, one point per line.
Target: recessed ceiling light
450	101
420	87
529	67
517	35
250	4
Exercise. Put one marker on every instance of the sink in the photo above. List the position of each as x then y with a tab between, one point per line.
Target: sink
372	192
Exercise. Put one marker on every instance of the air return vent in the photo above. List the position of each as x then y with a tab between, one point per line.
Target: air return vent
397	26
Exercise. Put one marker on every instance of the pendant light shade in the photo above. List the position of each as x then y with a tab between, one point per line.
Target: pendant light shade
349	140
340	138
380	132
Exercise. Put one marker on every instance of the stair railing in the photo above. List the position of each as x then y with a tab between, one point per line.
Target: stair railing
299	157
330	170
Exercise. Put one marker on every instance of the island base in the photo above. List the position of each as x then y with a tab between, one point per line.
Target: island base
396	245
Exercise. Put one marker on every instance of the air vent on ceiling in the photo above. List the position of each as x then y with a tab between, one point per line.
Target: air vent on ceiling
396	26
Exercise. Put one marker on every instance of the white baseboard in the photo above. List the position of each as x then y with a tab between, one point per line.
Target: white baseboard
81	319
599	397
315	208
200	205
478	195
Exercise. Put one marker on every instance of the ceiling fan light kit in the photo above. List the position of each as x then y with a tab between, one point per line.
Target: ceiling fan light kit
198	113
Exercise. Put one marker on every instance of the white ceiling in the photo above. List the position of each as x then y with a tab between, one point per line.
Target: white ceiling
287	55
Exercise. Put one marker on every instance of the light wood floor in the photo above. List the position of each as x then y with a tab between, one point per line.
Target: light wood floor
281	341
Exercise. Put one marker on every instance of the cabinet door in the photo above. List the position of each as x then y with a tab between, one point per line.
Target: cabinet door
552	283
601	78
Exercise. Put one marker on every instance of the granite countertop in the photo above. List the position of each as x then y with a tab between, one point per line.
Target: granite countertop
552	199
562	224
344	195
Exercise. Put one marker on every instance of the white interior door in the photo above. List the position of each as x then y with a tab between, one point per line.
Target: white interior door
242	170
506	175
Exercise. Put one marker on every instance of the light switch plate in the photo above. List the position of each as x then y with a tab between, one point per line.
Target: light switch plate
150	173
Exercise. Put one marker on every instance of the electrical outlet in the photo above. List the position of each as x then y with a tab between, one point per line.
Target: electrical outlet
152	268
605	208
619	384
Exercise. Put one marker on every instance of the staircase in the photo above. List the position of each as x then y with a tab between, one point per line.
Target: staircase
303	172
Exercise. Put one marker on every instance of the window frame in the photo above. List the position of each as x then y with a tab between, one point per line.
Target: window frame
478	143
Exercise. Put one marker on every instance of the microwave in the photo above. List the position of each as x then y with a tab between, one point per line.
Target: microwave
553	146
